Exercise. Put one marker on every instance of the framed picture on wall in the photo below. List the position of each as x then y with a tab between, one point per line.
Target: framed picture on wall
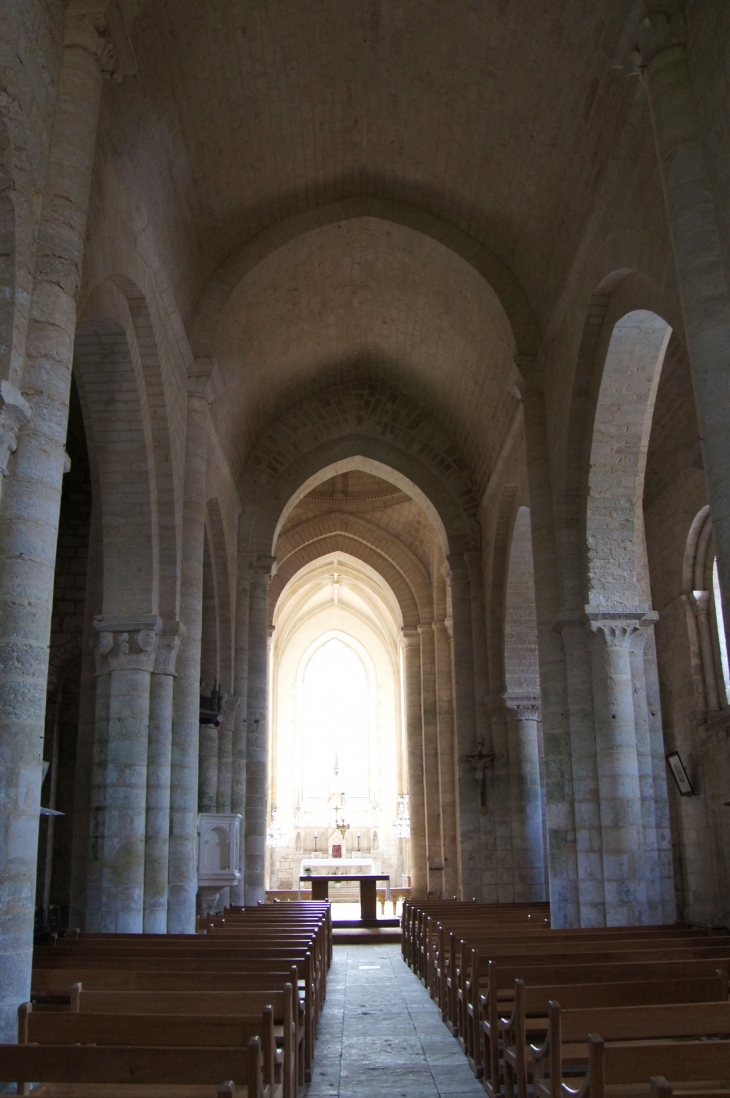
679	774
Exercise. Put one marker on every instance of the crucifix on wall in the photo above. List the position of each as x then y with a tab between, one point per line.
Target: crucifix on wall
480	759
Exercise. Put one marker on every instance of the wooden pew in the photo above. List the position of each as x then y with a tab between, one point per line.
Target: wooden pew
240	959
627	1066
80	1071
54	985
714	1088
172	1030
627	1011
499	994
288	1020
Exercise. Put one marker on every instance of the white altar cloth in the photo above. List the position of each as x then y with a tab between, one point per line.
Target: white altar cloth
368	866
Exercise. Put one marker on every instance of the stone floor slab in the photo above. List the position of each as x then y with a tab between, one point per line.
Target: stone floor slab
380	1033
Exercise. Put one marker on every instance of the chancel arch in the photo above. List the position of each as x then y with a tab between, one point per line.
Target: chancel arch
337	742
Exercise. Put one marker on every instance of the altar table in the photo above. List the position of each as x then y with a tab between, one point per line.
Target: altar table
368	893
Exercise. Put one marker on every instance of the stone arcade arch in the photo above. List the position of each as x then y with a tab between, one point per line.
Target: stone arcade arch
361	424
338	597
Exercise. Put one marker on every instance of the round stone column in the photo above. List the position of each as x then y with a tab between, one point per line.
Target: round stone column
446	756
225	753
183	872
157	832
127	654
701	273
561	823
208	768
469	830
256	733
238	744
618	772
32	490
431	776
411	646
524	768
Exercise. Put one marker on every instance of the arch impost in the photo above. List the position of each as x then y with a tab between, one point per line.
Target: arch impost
662	34
168	646
204	379
618	627
531	376
524	707
126	645
410	637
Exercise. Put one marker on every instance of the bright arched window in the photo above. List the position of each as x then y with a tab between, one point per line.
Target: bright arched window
335	715
720	622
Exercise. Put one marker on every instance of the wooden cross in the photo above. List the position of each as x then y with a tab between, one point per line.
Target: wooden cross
480	760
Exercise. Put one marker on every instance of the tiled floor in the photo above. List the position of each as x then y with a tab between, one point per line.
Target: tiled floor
380	1033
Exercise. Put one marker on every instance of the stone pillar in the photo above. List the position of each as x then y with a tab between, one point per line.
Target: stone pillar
618	771
701	274
431	776
207	768
254	889
414	745
524	768
446	757
587	801
183	876
468	792
126	656
563	867
646	775
32	491
668	893
238	745
225	753
157	831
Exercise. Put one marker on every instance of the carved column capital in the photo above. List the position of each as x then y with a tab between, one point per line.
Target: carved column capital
457	570
530	375
201	380
126	645
15	411
700	601
663	28
619	628
87	28
525	707
410	637
168	646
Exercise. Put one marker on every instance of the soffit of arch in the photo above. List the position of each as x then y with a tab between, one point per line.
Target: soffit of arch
378	301
409	612
384	540
362	424
359	589
621	293
122	302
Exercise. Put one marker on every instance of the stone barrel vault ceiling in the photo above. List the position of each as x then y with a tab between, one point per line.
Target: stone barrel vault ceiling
483	114
366	297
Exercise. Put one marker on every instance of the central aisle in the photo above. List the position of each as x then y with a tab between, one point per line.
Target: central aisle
380	1033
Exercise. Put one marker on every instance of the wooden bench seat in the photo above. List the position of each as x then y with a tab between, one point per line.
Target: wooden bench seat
621	1068
497	998
80	1071
203	1031
54	984
627	1021
288	1020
